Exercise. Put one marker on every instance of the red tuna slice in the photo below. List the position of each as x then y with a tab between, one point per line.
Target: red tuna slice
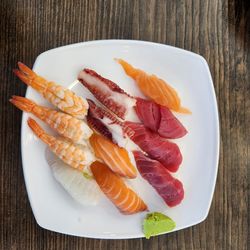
159	119
170	127
158	148
169	188
107	92
149	113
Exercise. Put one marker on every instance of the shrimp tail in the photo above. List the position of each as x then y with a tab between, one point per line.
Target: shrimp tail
29	77
22	103
39	132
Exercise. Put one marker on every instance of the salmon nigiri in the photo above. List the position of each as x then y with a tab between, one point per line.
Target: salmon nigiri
124	198
154	88
115	157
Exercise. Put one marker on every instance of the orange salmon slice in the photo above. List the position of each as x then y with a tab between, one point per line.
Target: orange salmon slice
124	198
154	88
115	157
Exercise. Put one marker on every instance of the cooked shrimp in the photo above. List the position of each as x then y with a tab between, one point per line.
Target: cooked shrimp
63	98
77	156
66	125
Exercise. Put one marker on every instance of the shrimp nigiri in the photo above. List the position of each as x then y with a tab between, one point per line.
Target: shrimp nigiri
115	157
124	198
77	156
63	98
154	88
66	125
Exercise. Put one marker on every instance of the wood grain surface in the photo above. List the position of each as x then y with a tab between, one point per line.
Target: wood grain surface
219	30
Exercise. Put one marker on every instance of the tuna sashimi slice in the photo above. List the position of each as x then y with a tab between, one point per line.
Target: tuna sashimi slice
124	198
158	148
154	116
159	119
169	188
155	146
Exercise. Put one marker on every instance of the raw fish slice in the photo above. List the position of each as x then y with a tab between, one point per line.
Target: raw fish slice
154	88
169	188
166	152
149	113
124	198
159	119
83	190
115	157
154	116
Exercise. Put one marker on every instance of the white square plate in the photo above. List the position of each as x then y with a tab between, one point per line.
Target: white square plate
189	74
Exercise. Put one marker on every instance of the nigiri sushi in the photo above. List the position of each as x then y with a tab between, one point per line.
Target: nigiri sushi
154	88
63	98
168	187
154	116
66	125
76	156
124	198
166	152
115	157
83	190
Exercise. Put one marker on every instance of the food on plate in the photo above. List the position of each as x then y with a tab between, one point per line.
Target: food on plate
112	155
77	156
154	116
154	88
83	190
98	127
108	125
166	152
157	223
159	119
109	94
66	125
63	98
99	145
169	188
124	198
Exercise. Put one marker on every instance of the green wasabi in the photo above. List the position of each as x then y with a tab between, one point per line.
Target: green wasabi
87	175
156	223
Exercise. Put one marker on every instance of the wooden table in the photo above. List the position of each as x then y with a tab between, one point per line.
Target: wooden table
217	30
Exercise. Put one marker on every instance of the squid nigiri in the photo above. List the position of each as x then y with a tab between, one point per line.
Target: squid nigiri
124	198
83	190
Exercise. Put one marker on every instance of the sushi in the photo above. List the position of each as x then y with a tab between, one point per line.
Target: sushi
112	155
82	189
124	198
154	88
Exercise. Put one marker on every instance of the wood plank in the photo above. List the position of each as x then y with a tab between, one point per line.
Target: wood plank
218	30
